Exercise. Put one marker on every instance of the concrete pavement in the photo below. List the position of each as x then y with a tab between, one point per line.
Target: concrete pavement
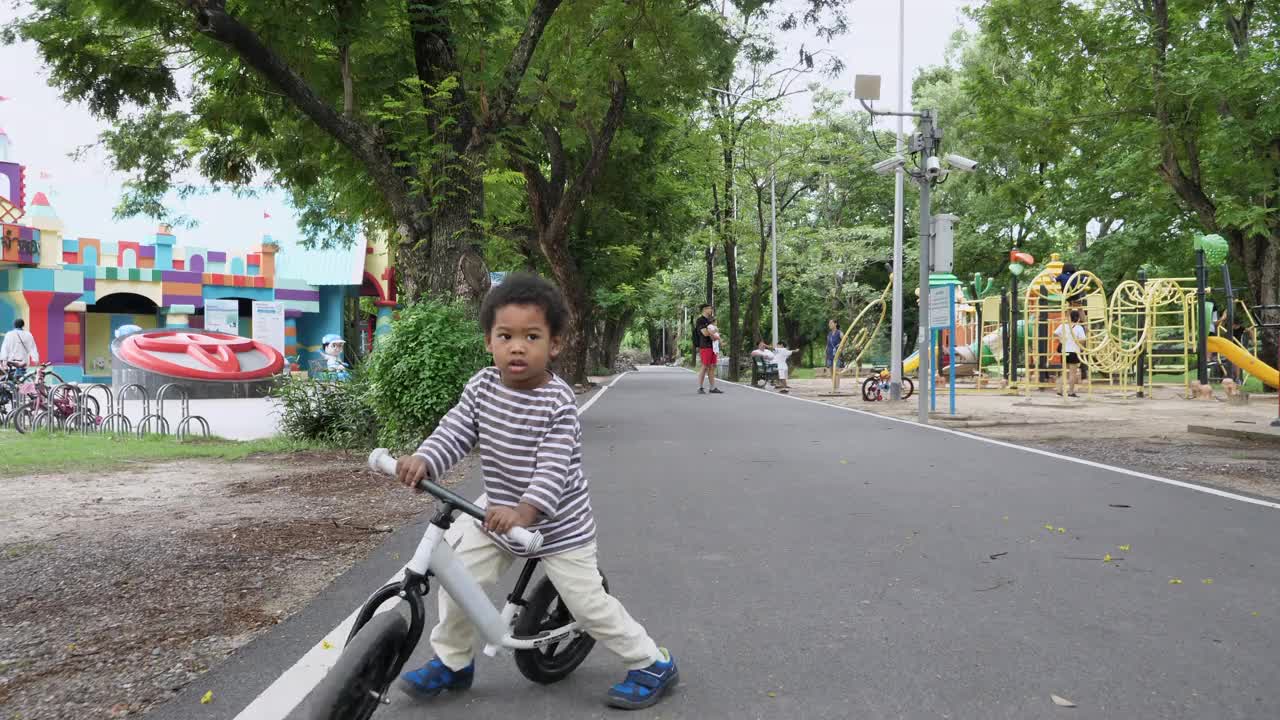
803	561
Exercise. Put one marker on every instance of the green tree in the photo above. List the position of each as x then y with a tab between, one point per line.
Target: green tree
1177	102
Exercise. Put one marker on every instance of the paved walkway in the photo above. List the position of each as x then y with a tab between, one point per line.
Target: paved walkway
804	561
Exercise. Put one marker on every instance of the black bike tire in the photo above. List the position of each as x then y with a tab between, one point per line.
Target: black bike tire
537	664
22	419
867	386
367	664
908	387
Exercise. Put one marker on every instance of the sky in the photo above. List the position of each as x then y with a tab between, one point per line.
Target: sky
44	130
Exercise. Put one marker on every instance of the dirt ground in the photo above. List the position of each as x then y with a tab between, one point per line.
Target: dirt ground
1148	435
116	590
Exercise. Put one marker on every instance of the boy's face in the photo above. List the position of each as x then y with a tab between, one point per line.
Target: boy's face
522	345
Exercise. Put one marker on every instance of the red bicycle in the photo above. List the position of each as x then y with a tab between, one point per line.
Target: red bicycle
57	405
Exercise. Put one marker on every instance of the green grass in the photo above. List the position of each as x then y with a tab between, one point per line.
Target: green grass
45	452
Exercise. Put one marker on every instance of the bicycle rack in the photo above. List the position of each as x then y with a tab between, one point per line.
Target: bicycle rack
94	423
125	424
185	423
185	397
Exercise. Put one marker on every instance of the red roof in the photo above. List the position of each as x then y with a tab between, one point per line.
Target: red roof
40	199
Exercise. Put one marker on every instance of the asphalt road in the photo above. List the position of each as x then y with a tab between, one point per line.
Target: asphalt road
803	561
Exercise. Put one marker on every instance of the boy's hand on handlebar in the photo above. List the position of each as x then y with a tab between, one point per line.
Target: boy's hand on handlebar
411	470
500	520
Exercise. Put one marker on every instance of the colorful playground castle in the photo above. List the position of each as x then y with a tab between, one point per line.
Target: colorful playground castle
74	292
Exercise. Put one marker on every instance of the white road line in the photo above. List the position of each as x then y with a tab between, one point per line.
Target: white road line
1024	448
283	695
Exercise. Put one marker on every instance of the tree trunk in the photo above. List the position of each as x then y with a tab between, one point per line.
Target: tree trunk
730	242
1260	256
757	282
440	255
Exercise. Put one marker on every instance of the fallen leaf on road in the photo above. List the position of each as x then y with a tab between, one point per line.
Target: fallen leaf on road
1118	505
772	694
844	462
326	644
1106	558
1006	517
1062	530
1061	701
206	698
1048	527
1255	613
1207	581
1123	547
1175	581
999	554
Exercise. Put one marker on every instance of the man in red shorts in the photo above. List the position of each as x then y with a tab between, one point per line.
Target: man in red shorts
702	342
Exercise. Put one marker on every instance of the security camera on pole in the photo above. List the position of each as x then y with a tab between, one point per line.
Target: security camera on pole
929	170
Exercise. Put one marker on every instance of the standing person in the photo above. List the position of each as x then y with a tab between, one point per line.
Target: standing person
780	356
833	343
523	420
703	344
1070	336
19	346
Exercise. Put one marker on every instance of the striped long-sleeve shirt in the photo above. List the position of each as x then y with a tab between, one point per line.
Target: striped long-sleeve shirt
530	447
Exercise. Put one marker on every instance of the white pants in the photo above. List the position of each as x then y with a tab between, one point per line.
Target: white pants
575	576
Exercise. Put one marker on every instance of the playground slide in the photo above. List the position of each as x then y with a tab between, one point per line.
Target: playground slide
1244	360
911	363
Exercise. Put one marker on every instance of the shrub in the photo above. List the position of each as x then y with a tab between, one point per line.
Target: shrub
417	372
327	411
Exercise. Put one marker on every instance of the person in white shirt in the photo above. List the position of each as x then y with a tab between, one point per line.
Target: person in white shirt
780	355
19	346
1071	335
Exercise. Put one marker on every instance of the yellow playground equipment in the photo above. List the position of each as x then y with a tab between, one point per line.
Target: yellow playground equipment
1156	320
858	336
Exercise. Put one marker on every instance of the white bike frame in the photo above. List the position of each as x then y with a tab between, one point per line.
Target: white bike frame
437	558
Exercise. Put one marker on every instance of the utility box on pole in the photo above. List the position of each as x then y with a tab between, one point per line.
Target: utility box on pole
942	245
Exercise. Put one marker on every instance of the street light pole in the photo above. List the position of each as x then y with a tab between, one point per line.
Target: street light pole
924	342
895	325
773	228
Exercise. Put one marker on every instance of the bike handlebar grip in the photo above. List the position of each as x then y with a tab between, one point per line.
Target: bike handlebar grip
530	541
381	461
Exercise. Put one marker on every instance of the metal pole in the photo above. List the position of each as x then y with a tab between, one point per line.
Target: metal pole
895	325
926	233
1142	352
1013	331
1231	317
773	231
951	340
1202	333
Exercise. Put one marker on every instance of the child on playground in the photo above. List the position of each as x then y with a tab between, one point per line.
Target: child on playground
524	420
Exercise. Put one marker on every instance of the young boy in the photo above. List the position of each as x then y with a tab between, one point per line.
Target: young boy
780	355
524	420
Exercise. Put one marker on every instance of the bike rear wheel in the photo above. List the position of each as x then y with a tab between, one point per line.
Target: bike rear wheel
546	611
353	689
871	389
908	387
23	419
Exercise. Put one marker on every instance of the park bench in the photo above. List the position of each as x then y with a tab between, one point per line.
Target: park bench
762	371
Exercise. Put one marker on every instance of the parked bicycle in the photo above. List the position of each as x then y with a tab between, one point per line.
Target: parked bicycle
37	399
876	386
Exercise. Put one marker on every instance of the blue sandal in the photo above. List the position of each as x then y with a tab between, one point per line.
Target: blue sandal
646	686
434	678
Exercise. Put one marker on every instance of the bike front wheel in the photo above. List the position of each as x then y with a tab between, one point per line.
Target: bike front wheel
546	611
353	689
908	387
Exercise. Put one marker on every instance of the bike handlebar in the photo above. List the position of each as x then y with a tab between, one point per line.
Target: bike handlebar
380	460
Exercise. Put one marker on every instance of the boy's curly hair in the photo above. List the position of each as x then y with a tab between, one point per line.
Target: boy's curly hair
524	288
